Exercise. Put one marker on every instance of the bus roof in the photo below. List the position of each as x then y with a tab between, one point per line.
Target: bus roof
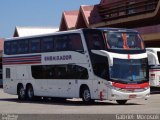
43	35
74	31
118	29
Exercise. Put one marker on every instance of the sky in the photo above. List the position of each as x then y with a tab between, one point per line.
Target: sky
45	13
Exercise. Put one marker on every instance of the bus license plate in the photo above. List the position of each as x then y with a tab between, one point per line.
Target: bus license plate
132	96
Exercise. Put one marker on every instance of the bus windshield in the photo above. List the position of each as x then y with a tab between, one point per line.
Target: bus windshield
129	70
124	40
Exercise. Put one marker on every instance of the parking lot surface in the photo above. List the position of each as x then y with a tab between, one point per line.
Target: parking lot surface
10	104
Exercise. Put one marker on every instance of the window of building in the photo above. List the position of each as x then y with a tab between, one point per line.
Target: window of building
47	44
35	45
59	72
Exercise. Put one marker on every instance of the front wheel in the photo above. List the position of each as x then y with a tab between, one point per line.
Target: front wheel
86	96
30	93
121	102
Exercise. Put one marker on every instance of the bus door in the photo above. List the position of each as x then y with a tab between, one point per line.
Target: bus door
78	74
100	72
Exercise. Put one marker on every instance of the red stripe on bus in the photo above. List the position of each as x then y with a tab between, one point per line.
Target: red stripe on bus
130	86
21	63
22	58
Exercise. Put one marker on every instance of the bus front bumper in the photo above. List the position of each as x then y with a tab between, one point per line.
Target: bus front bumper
127	95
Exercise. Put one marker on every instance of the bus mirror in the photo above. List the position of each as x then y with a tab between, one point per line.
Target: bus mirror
152	58
105	54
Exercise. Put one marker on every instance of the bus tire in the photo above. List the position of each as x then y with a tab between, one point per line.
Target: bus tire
121	102
86	95
30	92
21	92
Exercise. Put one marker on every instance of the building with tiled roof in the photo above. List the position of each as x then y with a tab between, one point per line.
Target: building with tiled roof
143	15
87	16
68	21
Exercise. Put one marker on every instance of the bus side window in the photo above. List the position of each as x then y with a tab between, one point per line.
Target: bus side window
76	43
77	72
95	41
8	73
35	46
60	72
61	43
7	48
14	47
23	46
47	44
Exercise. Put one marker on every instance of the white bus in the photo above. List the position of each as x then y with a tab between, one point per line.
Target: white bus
154	66
92	64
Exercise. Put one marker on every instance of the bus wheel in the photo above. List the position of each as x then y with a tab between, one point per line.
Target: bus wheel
30	93
21	93
121	102
86	95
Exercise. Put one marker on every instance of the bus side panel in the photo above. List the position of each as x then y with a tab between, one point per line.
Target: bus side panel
154	78
9	79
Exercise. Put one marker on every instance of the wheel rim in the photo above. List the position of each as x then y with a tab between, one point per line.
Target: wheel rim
30	93
22	92
86	95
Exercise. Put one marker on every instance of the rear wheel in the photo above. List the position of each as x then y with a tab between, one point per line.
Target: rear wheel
30	93
121	102
21	93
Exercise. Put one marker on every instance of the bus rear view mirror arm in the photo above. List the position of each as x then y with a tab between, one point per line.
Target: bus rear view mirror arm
154	56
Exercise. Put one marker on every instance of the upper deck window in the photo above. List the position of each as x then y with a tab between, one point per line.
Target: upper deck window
61	43
23	46
75	42
7	48
95	41
71	42
47	44
14	47
35	45
124	40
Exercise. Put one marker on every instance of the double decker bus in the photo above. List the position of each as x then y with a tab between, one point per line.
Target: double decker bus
154	66
92	64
